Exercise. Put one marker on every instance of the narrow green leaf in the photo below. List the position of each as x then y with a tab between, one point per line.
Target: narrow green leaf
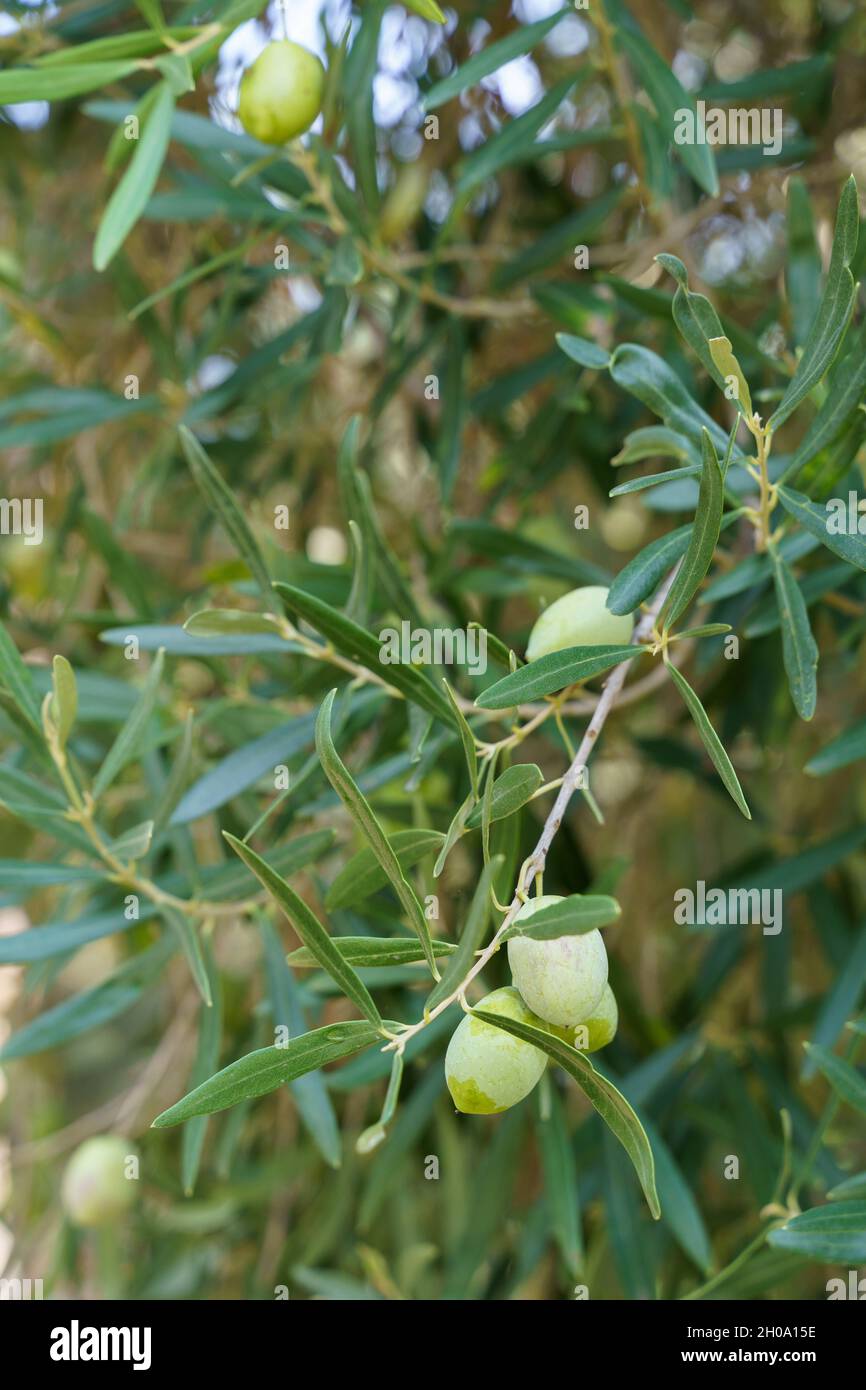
217	622
669	98
65	698
572	916
204	1065
471	938
222	499
834	312
310	1092
820	523
511	790
490	59
363	874
642	575
130	197
356	803
710	740
260	1072
803	268
16	677
680	1212
68	1020
371	952
852	1187
188	937
845	392
834	1234
799	648
560	1179
611	1105
703	539
843	750
130	738
845	1079
730	370
583	351
466	738
309	929
361	646
51	84
552	673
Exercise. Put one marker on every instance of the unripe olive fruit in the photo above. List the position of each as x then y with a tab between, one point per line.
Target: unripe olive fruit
281	94
487	1069
561	980
96	1189
596	1031
578	619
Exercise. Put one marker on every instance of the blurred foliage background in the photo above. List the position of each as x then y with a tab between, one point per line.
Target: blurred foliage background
412	257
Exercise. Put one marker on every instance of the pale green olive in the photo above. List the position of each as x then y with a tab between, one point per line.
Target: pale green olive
561	980
97	1185
487	1069
281	94
596	1031
578	619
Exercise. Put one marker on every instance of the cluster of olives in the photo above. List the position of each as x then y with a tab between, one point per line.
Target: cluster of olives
559	985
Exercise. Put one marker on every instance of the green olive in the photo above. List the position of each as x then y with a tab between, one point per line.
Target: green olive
596	1031
578	619
561	980
281	94
489	1070
96	1189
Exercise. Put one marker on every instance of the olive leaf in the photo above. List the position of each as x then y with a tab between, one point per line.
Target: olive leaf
489	59
356	803
710	739
845	1079
835	1234
64	698
361	646
363	873
841	404
222	499
128	742
611	1105
269	1067
130	197
816	519
508	792
572	916
374	952
553	672
466	738
702	541
834	312
471	937
309	929
799	649
670	99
